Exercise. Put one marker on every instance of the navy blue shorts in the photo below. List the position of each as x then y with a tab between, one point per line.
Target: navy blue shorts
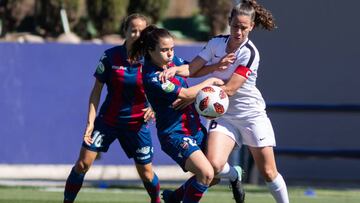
136	144
179	146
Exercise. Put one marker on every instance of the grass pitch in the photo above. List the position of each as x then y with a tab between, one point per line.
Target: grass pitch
217	194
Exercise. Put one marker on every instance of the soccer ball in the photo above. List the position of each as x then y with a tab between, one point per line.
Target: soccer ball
211	102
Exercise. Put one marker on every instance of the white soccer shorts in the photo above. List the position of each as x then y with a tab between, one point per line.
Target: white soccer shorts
254	132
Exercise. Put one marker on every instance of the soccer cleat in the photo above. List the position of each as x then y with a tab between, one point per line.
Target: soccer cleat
237	187
168	196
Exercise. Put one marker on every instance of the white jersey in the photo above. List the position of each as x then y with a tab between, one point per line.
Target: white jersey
247	101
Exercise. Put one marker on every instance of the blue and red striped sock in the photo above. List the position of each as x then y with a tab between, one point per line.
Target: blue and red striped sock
153	189
179	193
194	192
73	186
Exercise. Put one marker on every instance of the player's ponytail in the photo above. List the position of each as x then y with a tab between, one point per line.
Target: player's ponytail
140	46
258	14
147	41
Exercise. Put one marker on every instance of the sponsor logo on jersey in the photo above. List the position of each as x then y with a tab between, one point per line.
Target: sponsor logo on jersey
100	68
118	67
144	150
168	86
154	79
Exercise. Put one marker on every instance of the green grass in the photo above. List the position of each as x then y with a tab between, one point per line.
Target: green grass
218	194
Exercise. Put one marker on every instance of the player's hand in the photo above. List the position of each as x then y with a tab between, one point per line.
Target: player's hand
167	74
149	114
87	134
182	103
216	81
226	61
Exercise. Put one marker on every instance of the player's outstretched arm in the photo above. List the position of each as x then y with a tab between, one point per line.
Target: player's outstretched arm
190	93
198	67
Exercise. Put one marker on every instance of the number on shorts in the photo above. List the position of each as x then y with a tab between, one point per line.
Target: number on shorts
190	141
97	137
213	124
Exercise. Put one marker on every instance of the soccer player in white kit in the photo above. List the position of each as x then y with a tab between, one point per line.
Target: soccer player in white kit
235	59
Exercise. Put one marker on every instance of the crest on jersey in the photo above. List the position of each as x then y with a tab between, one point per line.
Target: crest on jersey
102	57
184	145
168	86
100	68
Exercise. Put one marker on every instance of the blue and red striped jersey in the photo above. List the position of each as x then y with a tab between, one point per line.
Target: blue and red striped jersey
162	95
125	97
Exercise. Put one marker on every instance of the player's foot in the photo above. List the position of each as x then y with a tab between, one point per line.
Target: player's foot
169	197
237	187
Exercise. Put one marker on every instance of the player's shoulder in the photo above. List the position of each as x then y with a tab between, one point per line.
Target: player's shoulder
148	69
178	61
220	38
250	45
114	48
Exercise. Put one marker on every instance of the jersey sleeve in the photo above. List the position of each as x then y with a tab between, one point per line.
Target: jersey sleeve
244	64
208	51
179	61
103	69
167	91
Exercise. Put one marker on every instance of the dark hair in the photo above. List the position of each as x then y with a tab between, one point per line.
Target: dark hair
258	14
148	40
126	21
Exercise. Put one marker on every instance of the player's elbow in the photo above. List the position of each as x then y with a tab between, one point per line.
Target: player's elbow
185	94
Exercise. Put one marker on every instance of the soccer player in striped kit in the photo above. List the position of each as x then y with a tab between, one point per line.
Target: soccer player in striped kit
180	132
235	59
123	115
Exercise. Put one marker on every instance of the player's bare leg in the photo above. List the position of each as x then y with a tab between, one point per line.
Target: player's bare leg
76	177
265	162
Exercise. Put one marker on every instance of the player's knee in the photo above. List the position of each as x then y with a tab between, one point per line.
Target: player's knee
207	176
146	175
82	166
217	166
145	172
269	174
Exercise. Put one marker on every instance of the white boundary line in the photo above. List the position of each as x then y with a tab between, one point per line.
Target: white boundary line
96	172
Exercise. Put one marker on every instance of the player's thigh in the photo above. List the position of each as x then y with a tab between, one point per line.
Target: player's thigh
221	141
219	147
198	164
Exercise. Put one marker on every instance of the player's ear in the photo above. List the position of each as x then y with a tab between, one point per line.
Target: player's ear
252	26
